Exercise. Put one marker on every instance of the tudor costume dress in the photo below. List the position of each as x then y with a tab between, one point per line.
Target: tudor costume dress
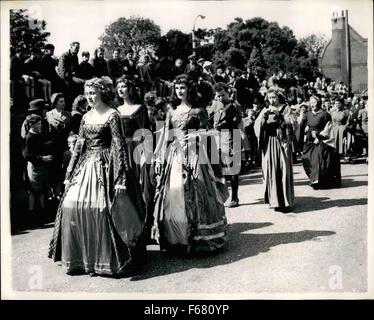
189	200
97	225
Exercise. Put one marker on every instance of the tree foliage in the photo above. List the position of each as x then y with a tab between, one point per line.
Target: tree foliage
314	44
26	32
175	43
135	32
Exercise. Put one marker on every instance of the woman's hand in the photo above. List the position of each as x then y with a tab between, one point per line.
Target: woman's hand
158	168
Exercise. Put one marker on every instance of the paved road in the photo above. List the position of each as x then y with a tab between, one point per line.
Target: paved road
267	252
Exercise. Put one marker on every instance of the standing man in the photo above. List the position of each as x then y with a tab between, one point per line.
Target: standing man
66	69
227	117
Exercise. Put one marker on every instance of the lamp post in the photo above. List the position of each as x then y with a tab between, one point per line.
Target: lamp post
193	33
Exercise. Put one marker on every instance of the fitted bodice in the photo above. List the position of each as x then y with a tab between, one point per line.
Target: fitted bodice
192	119
317	121
339	117
137	120
97	136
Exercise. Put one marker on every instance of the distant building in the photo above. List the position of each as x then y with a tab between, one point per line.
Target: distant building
337	61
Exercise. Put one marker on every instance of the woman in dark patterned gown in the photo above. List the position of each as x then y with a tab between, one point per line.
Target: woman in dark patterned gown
139	139
101	214
320	157
189	209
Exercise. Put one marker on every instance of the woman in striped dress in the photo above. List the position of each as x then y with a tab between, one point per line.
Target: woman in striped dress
273	128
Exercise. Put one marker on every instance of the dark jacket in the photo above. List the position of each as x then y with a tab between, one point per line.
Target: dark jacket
17	68
114	68
129	69
67	66
100	68
48	68
85	71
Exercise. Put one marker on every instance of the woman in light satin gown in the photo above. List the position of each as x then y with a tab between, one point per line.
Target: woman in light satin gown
100	218
189	209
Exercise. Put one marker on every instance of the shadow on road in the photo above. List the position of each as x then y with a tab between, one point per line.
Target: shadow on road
310	204
241	245
25	229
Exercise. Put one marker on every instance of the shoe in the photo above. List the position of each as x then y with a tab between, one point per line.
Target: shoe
315	184
233	204
284	209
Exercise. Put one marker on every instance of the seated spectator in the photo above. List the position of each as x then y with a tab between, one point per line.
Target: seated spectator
33	69
129	65
114	65
85	70
18	76
98	63
66	69
48	64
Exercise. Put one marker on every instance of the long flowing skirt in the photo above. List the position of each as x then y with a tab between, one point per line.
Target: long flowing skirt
321	164
95	238
278	174
142	172
189	201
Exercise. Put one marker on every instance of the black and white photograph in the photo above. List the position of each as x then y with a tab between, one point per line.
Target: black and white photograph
186	150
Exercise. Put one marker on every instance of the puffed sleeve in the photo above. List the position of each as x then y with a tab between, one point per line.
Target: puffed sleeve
77	153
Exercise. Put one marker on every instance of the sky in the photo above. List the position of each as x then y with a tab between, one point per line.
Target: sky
85	21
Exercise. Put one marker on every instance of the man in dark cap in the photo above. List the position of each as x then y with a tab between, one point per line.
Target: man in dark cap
36	106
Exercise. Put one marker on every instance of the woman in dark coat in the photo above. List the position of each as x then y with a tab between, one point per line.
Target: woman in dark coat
320	158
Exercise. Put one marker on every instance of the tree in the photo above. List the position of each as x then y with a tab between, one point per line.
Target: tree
235	57
26	32
314	44
256	62
264	46
135	32
175	43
